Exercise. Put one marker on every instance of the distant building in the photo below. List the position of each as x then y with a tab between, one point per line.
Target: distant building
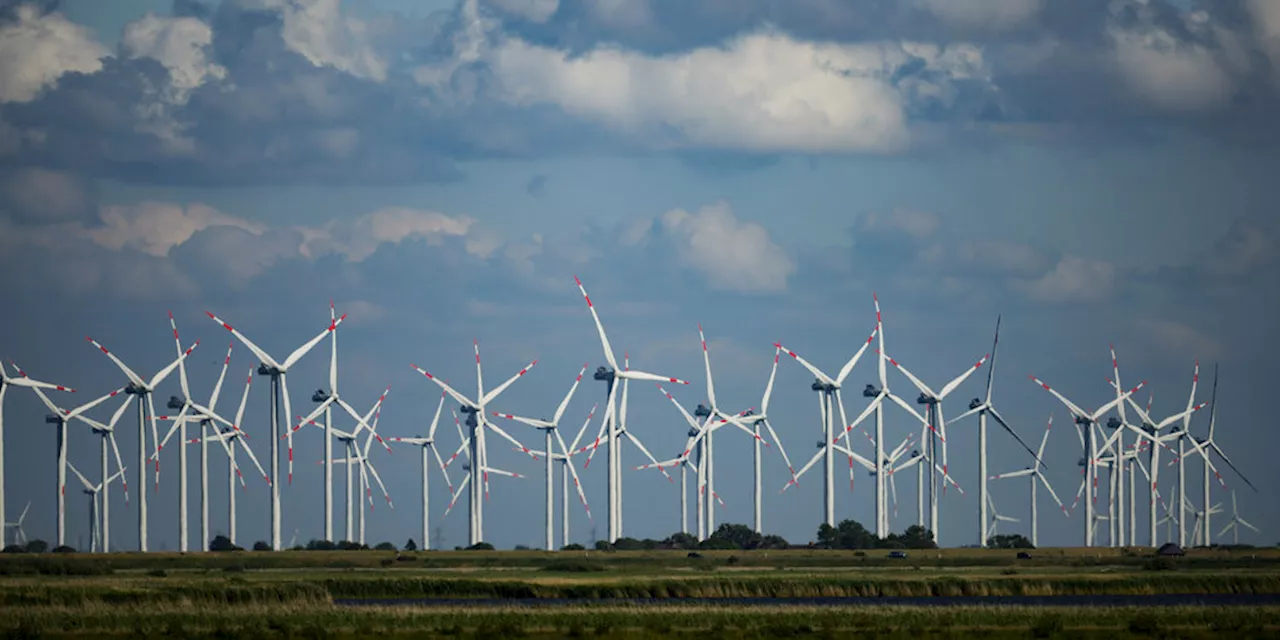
1170	549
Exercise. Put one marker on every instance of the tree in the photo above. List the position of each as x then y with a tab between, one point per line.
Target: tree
521	547
603	545
681	540
918	537
14	548
64	549
261	545
772	541
223	543
480	546
37	546
573	546
384	546
739	535
410	545
321	545
1011	541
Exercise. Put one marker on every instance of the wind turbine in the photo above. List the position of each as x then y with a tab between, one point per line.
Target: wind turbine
21	381
714	411
609	374
1036	475
100	523
933	402
548	428
996	518
1150	430
829	400
327	399
61	417
143	390
1207	444
279	392
757	419
477	420
1085	421
1233	526
428	449
107	434
362	458
982	407
208	419
20	536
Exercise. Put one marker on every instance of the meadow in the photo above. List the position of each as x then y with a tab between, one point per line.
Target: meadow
252	594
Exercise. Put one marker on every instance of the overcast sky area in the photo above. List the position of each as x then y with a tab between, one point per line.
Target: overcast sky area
1094	170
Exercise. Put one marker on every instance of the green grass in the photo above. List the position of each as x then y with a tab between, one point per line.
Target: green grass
320	620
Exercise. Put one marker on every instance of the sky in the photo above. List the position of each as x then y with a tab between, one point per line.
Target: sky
1091	172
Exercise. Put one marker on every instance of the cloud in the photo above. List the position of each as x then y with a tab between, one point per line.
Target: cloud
1074	279
32	194
319	31
36	49
180	44
531	10
1247	247
732	255
537	185
1168	336
914	223
760	92
155	228
360	239
990	14
1170	73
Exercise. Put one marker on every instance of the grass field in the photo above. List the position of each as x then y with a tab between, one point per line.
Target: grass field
292	593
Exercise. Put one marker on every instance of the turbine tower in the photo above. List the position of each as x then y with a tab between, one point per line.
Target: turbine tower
1085	421
1204	447
829	400
612	419
21	381
982	407
1037	477
478	422
143	390
428	449
279	395
549	430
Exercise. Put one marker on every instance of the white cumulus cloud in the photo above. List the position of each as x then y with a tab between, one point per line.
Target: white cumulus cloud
155	228
37	49
180	44
1074	279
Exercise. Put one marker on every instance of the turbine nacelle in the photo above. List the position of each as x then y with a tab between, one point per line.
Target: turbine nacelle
320	395
819	385
1083	420
915	453
870	391
702	411
53	418
975	403
265	369
176	402
604	374
925	398
1114	423
693	433
1082	462
134	390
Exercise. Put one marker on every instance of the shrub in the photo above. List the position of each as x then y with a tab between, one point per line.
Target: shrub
37	546
223	543
521	547
480	546
64	549
603	545
410	545
573	546
261	546
385	546
14	548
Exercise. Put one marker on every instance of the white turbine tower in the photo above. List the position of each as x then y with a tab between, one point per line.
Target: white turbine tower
212	425
757	419
278	371
62	417
829	401
1205	446
612	419
477	420
143	390
938	428
548	428
20	536
1233	526
21	381
982	407
1086	421
1037	476
428	449
99	521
